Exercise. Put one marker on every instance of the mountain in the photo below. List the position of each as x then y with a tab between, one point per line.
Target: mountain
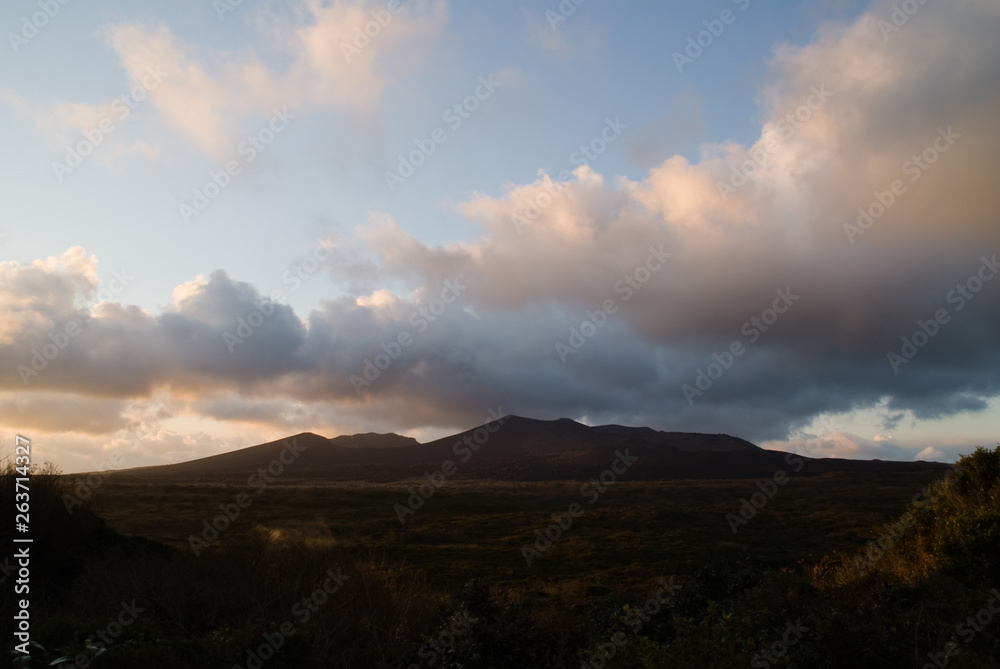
519	449
372	440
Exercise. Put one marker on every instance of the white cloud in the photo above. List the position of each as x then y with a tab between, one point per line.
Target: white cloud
931	454
208	96
527	288
838	445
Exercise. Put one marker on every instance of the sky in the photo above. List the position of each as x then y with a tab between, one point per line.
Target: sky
225	223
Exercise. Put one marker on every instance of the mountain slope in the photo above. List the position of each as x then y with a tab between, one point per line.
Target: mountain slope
516	448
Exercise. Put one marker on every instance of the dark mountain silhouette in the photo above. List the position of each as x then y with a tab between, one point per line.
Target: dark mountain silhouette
373	440
520	449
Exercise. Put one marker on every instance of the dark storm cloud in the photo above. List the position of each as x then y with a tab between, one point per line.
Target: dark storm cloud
673	274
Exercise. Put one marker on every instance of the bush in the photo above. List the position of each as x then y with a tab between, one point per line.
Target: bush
212	611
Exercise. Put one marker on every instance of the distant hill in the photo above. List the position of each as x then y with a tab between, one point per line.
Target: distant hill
372	440
519	449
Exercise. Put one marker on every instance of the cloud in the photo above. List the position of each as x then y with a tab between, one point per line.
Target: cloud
356	78
34	296
206	94
44	412
930	454
192	100
839	445
552	254
326	68
77	452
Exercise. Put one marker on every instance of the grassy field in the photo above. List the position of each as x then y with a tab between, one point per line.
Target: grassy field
630	535
649	575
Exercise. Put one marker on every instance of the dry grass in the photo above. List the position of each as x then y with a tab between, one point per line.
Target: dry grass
458	559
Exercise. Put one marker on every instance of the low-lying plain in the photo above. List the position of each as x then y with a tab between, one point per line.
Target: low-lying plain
633	533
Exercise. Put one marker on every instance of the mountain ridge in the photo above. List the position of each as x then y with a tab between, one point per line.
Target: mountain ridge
515	448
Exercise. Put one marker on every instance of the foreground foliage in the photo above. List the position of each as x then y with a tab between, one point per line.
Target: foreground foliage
913	595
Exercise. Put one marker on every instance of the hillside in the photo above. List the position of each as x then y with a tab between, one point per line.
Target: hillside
519	449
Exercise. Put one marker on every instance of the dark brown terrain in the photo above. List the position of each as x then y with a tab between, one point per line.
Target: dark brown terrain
523	449
488	565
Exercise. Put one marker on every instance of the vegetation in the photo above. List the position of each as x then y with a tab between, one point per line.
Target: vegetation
650	576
